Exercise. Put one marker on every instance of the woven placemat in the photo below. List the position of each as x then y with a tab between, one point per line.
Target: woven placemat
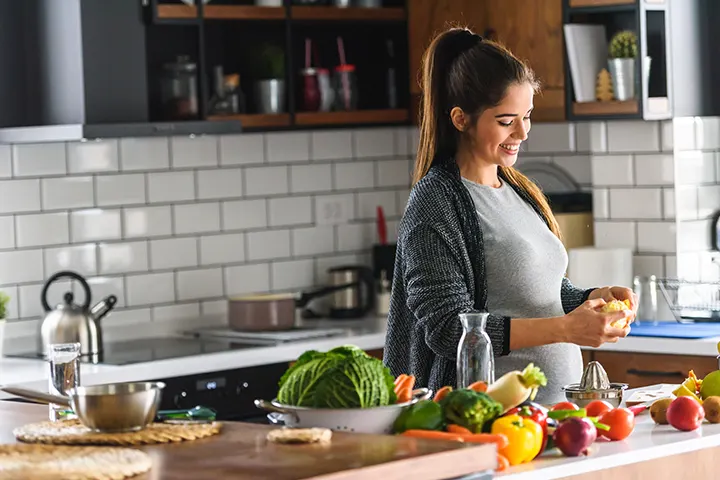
72	432
45	462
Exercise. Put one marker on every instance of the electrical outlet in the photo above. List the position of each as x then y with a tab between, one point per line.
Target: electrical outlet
333	210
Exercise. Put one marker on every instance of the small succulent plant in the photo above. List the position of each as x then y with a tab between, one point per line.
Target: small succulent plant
623	45
4	300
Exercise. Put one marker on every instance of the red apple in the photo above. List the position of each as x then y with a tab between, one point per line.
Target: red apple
685	413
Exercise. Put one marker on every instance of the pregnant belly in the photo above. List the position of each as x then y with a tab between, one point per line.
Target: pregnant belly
561	362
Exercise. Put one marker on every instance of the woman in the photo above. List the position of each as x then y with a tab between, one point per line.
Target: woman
478	236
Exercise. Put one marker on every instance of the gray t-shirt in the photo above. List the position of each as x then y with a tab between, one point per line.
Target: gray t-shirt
524	265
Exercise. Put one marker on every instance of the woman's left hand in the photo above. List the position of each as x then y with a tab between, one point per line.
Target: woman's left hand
616	293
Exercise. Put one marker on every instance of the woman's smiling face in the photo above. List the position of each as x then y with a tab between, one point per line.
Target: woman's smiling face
499	131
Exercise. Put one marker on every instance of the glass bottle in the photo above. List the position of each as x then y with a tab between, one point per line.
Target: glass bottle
475	360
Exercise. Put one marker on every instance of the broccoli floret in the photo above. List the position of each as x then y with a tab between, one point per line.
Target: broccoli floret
470	409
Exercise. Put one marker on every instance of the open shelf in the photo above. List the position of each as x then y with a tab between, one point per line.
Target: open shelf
600	3
257	120
336	13
627	107
221	12
354	117
176	12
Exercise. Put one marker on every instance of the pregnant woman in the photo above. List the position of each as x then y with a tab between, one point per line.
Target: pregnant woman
478	236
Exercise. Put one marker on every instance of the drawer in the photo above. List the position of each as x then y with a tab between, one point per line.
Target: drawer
643	369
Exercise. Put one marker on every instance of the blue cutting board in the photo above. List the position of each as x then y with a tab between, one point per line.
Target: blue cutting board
676	330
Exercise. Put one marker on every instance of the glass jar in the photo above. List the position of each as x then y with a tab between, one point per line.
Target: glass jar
475	361
345	86
179	89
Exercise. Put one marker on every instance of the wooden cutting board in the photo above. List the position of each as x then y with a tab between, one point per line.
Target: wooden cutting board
241	451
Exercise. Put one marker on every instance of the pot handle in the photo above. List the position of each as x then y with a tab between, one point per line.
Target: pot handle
63	274
305	297
36	396
269	407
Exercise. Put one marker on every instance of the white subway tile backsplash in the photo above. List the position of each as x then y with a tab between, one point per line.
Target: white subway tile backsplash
123	257
354	175
688	266
707	133
19	196
29	302
147	221
7	232
95	224
290	211
693	235
288	147
266	181
551	138
369	201
647	265
590	137
243	149
34	160
374	142
246	279
637	203
222	249
694	167
313	241
709	270
325	207
149	289
657	237
615	234
666	136
601	203
120	189
402	141
145	154
356	236
671	266
669	203
708	200
684	133
393	173
197	284
311	178
171	187
173	253
176	313
414	137
101	287
79	258
654	169
295	274
196	218
633	136
93	156
5	161
42	229
21	266
612	170
332	145
220	183
67	192
268	245
243	214
579	167
685	202
214	307
194	151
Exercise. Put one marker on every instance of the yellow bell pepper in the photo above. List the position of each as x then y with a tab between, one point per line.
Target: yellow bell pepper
524	435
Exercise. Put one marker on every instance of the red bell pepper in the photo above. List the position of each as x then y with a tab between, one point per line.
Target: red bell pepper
538	414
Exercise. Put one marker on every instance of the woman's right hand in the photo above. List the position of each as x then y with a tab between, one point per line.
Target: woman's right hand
588	327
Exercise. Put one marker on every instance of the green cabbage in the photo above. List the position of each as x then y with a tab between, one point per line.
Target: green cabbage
344	377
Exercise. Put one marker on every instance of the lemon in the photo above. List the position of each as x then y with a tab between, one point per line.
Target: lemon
684	391
710	385
617	306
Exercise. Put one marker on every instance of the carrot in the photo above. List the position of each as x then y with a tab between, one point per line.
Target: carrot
442	392
400	378
498	439
404	395
502	463
459	429
478	386
433	434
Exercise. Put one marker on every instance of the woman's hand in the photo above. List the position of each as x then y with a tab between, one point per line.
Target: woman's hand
588	327
617	293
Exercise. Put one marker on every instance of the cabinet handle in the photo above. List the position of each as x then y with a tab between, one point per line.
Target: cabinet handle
652	373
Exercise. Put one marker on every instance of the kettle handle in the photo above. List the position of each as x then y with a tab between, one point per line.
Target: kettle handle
65	274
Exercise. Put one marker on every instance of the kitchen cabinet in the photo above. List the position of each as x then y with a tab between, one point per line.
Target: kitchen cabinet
643	369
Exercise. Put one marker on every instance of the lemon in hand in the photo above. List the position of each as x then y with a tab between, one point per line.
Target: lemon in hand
617	306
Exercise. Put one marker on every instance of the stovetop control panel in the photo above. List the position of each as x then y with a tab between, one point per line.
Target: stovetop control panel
231	393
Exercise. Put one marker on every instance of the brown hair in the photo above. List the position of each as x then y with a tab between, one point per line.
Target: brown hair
462	69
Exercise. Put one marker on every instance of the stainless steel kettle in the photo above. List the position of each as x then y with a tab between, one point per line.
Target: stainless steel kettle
71	323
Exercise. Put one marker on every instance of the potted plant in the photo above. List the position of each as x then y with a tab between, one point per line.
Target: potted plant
270	79
623	55
4	300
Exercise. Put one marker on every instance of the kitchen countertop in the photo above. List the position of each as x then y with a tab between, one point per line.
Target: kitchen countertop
368	334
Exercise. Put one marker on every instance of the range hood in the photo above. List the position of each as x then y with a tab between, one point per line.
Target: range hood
78	69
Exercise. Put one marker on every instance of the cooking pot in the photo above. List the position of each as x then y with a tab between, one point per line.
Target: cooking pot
272	311
358	297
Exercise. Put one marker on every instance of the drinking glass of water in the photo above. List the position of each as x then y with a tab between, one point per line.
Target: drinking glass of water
64	359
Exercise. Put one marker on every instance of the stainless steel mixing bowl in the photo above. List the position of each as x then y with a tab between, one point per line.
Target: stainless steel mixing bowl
113	407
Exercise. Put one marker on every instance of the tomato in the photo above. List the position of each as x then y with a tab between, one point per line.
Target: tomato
597	407
621	422
564	406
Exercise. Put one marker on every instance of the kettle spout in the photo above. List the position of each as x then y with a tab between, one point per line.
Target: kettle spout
103	307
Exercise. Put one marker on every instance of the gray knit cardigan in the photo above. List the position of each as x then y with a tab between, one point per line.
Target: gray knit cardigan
439	273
